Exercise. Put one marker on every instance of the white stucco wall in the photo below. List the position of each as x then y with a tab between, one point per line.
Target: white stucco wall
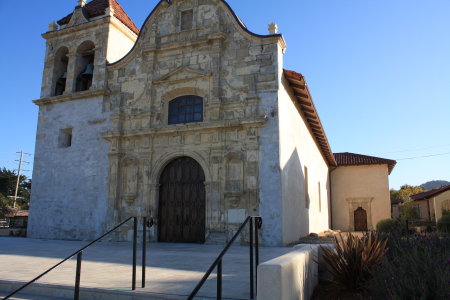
438	202
292	276
297	150
120	41
72	179
365	186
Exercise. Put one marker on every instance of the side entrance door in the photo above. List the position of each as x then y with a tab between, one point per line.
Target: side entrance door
360	218
181	217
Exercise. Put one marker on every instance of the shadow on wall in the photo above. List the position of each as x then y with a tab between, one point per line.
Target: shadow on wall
295	199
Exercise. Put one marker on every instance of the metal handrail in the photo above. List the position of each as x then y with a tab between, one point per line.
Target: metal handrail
79	254
218	261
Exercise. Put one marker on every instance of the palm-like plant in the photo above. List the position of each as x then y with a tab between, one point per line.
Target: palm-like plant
352	262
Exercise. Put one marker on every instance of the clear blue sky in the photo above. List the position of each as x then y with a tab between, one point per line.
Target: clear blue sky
379	72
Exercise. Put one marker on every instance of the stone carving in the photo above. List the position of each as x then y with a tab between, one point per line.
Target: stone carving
129	178
235	172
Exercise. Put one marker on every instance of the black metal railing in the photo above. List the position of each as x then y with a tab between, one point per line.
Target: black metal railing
255	225
79	254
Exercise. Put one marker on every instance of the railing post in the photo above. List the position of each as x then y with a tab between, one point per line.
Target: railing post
219	280
252	295
144	249
133	276
76	294
257	226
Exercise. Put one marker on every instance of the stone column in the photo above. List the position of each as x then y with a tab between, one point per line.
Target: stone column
71	76
214	105
113	189
153	210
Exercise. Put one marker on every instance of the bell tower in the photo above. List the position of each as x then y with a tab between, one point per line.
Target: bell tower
81	44
71	157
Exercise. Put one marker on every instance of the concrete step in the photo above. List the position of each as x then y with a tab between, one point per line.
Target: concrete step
21	296
38	291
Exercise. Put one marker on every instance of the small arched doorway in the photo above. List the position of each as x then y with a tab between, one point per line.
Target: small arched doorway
181	214
360	218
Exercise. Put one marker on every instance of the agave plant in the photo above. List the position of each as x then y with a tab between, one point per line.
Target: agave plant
352	262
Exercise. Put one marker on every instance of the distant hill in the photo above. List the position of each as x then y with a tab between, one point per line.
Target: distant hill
434	184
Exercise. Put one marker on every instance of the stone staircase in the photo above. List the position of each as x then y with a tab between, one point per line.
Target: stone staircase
39	291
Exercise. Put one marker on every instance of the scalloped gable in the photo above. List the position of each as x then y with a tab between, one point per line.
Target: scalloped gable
148	27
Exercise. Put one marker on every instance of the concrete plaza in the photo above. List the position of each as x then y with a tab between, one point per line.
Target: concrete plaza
172	269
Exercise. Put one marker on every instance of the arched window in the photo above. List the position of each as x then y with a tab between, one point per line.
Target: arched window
84	69
60	71
186	109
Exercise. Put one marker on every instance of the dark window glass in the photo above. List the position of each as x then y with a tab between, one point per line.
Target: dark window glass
186	109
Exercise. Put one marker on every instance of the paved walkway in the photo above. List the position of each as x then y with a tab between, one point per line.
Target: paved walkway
171	268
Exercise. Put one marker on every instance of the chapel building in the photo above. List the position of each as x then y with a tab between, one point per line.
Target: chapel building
193	121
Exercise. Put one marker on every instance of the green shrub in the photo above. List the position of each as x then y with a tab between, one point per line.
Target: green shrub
351	264
443	225
388	226
413	268
409	211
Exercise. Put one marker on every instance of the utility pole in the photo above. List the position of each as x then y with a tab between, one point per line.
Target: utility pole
18	177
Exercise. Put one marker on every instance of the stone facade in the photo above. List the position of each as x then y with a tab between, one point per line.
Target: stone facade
126	112
104	136
217	60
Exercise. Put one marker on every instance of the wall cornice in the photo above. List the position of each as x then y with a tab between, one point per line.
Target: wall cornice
71	97
201	126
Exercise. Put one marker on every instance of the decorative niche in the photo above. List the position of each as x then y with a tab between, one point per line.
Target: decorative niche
129	179
234	183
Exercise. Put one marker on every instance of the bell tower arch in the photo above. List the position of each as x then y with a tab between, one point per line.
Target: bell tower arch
96	33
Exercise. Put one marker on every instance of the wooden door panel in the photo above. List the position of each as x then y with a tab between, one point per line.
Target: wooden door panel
182	202
360	219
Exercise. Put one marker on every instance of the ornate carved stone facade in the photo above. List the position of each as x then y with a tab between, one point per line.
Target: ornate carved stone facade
227	67
212	56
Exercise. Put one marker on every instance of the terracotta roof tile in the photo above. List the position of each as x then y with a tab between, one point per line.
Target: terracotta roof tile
17	213
301	92
396	201
429	194
97	8
353	159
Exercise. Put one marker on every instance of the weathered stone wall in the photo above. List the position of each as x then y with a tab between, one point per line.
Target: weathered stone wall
70	181
235	73
121	137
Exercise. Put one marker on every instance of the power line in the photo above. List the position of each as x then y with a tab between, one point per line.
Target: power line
416	149
415	157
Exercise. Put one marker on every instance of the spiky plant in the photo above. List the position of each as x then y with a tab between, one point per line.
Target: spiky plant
352	262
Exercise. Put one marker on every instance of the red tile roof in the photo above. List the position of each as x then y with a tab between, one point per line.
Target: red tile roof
353	159
301	92
396	201
97	8
429	194
17	213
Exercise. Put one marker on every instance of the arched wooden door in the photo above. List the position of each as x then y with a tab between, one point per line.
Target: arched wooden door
360	218
181	217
